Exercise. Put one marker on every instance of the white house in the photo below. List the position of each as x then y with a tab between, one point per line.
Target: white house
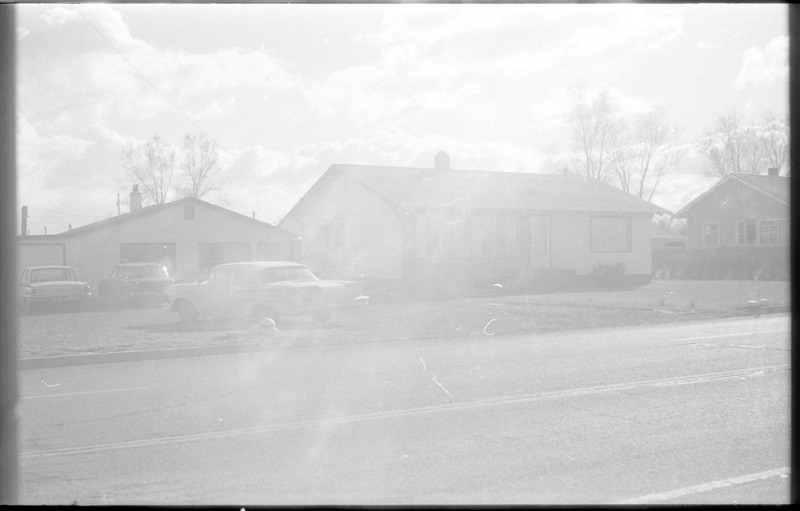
460	229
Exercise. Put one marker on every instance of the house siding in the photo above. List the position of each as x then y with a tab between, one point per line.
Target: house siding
350	233
728	204
571	244
570	254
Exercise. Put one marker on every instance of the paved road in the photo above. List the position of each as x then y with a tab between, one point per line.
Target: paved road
669	414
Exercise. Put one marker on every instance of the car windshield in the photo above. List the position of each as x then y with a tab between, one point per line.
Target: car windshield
52	274
140	272
285	274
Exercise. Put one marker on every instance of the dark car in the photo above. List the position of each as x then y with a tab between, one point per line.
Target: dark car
52	285
135	282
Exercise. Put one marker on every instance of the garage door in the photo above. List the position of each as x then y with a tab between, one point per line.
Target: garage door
41	254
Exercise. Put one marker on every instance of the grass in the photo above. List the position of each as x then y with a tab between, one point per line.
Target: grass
152	328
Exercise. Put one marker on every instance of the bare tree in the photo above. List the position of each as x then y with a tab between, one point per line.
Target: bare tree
151	165
199	165
646	154
775	142
594	132
734	148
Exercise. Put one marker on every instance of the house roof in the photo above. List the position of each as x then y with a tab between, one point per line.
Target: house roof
411	188
149	210
774	187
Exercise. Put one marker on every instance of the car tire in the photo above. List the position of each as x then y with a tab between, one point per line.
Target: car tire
186	311
260	313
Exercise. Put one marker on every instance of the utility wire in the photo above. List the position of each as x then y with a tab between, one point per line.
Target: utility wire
173	105
62	212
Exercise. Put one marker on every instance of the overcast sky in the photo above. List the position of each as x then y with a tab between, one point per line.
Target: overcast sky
288	90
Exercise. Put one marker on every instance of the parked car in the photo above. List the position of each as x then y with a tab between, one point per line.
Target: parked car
264	289
129	282
49	285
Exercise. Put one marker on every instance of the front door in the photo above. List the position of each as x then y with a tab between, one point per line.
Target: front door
540	242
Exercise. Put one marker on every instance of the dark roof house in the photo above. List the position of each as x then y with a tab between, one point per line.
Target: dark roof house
739	228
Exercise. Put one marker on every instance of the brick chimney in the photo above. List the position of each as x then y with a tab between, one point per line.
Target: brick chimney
136	199
441	161
773	171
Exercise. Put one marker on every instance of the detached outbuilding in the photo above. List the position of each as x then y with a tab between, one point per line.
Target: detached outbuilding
189	236
445	229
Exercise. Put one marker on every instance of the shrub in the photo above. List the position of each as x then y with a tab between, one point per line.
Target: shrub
737	263
609	275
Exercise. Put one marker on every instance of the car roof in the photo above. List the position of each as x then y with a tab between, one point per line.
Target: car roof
258	265
127	265
47	267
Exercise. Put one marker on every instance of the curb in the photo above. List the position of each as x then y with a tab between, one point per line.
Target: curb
135	356
205	351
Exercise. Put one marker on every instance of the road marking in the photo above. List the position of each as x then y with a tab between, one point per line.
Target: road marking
701	488
392	414
737	334
84	393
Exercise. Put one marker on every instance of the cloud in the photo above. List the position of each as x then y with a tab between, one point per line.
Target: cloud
59	15
765	65
75	175
101	73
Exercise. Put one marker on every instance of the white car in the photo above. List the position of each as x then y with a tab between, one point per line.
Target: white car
48	285
263	289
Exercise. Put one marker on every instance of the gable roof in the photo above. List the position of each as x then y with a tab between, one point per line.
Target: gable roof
411	188
149	210
774	187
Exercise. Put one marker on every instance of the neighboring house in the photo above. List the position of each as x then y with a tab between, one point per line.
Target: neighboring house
441	228
188	236
742	220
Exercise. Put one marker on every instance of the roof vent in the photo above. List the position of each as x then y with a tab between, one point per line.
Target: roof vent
441	161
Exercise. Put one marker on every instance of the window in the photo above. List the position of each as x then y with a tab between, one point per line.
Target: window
540	236
188	212
146	252
212	254
483	235
746	232
495	235
610	233
52	274
506	235
773	232
710	234
454	237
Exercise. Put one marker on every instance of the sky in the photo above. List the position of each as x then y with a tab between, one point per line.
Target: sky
288	90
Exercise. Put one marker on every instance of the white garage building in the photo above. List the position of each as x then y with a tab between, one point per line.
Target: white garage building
189	236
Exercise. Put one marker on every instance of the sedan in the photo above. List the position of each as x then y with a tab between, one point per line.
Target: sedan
263	289
49	285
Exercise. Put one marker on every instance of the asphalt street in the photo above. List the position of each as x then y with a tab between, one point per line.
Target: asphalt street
688	413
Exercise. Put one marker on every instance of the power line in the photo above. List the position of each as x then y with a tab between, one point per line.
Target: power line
173	105
63	212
